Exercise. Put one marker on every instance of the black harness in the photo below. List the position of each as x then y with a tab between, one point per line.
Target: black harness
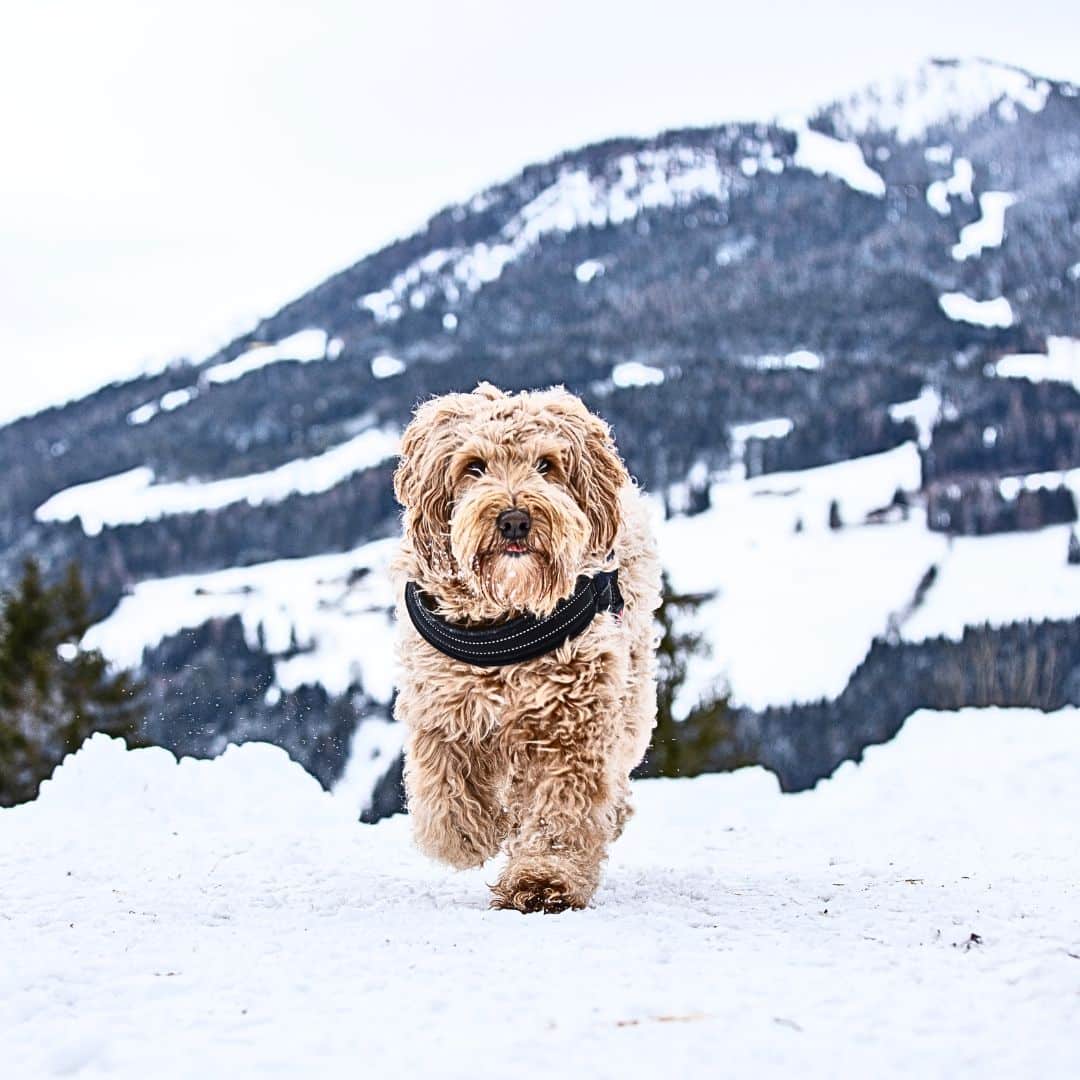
524	638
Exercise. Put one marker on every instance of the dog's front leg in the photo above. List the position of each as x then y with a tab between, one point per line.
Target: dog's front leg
561	800
450	786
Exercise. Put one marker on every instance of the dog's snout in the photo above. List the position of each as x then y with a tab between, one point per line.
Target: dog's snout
513	524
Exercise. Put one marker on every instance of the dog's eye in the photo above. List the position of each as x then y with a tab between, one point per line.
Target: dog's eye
476	467
543	466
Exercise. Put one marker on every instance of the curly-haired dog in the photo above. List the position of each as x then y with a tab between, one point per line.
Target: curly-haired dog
528	689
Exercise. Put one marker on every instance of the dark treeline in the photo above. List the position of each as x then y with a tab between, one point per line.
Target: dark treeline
1007	426
977	507
823	438
1024	664
212	687
53	692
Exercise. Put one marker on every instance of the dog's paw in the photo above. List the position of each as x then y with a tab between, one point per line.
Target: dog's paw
532	892
444	837
456	849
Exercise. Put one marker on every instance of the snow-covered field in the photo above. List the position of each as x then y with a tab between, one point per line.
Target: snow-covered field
794	605
1060	363
131	497
338	607
916	915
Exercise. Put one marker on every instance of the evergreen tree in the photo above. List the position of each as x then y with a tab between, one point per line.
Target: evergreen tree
835	521
53	693
679	748
1074	548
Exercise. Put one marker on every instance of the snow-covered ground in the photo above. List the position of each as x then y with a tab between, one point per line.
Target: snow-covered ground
1060	363
794	604
937	92
989	230
999	579
338	607
130	497
794	612
302	347
915	915
939	193
825	156
576	199
960	307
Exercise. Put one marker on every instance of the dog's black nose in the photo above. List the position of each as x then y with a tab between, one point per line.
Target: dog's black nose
514	524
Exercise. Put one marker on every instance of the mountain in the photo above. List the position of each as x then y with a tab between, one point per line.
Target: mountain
774	317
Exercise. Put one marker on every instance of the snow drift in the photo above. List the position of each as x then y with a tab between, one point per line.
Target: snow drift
914	915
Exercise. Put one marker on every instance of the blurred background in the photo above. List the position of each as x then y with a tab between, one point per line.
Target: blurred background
828	298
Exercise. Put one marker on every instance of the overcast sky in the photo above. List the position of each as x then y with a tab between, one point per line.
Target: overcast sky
171	172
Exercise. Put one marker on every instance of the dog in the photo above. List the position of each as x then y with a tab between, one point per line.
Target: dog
527	579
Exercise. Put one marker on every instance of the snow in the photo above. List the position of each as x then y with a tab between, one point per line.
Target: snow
131	497
230	917
337	606
939	92
647	179
939	155
1060	363
734	251
793	616
801	359
143	414
1011	486
795	612
587	270
633	373
959	307
168	402
989	230
775	428
925	410
998	579
385	366
958	185
375	744
1074	272
825	156
304	346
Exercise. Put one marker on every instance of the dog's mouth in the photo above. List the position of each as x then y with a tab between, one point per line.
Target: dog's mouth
515	549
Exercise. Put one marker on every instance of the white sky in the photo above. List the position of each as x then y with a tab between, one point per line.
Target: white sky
171	172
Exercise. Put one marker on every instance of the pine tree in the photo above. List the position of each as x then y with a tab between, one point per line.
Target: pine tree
53	692
1074	548
835	521
678	750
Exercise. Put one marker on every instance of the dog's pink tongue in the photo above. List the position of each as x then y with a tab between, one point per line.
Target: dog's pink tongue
517	549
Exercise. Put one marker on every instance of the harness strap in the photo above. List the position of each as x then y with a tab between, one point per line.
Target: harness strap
524	638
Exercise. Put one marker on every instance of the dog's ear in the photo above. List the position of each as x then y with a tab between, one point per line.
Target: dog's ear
421	479
603	477
597	473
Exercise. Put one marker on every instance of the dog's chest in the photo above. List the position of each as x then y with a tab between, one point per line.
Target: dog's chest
520	698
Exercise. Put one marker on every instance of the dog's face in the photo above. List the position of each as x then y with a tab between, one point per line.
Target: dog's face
509	495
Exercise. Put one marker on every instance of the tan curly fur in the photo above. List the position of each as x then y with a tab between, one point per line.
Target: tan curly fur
532	758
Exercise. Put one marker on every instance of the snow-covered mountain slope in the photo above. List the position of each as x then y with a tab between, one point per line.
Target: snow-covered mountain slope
939	93
832	305
793	605
915	915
